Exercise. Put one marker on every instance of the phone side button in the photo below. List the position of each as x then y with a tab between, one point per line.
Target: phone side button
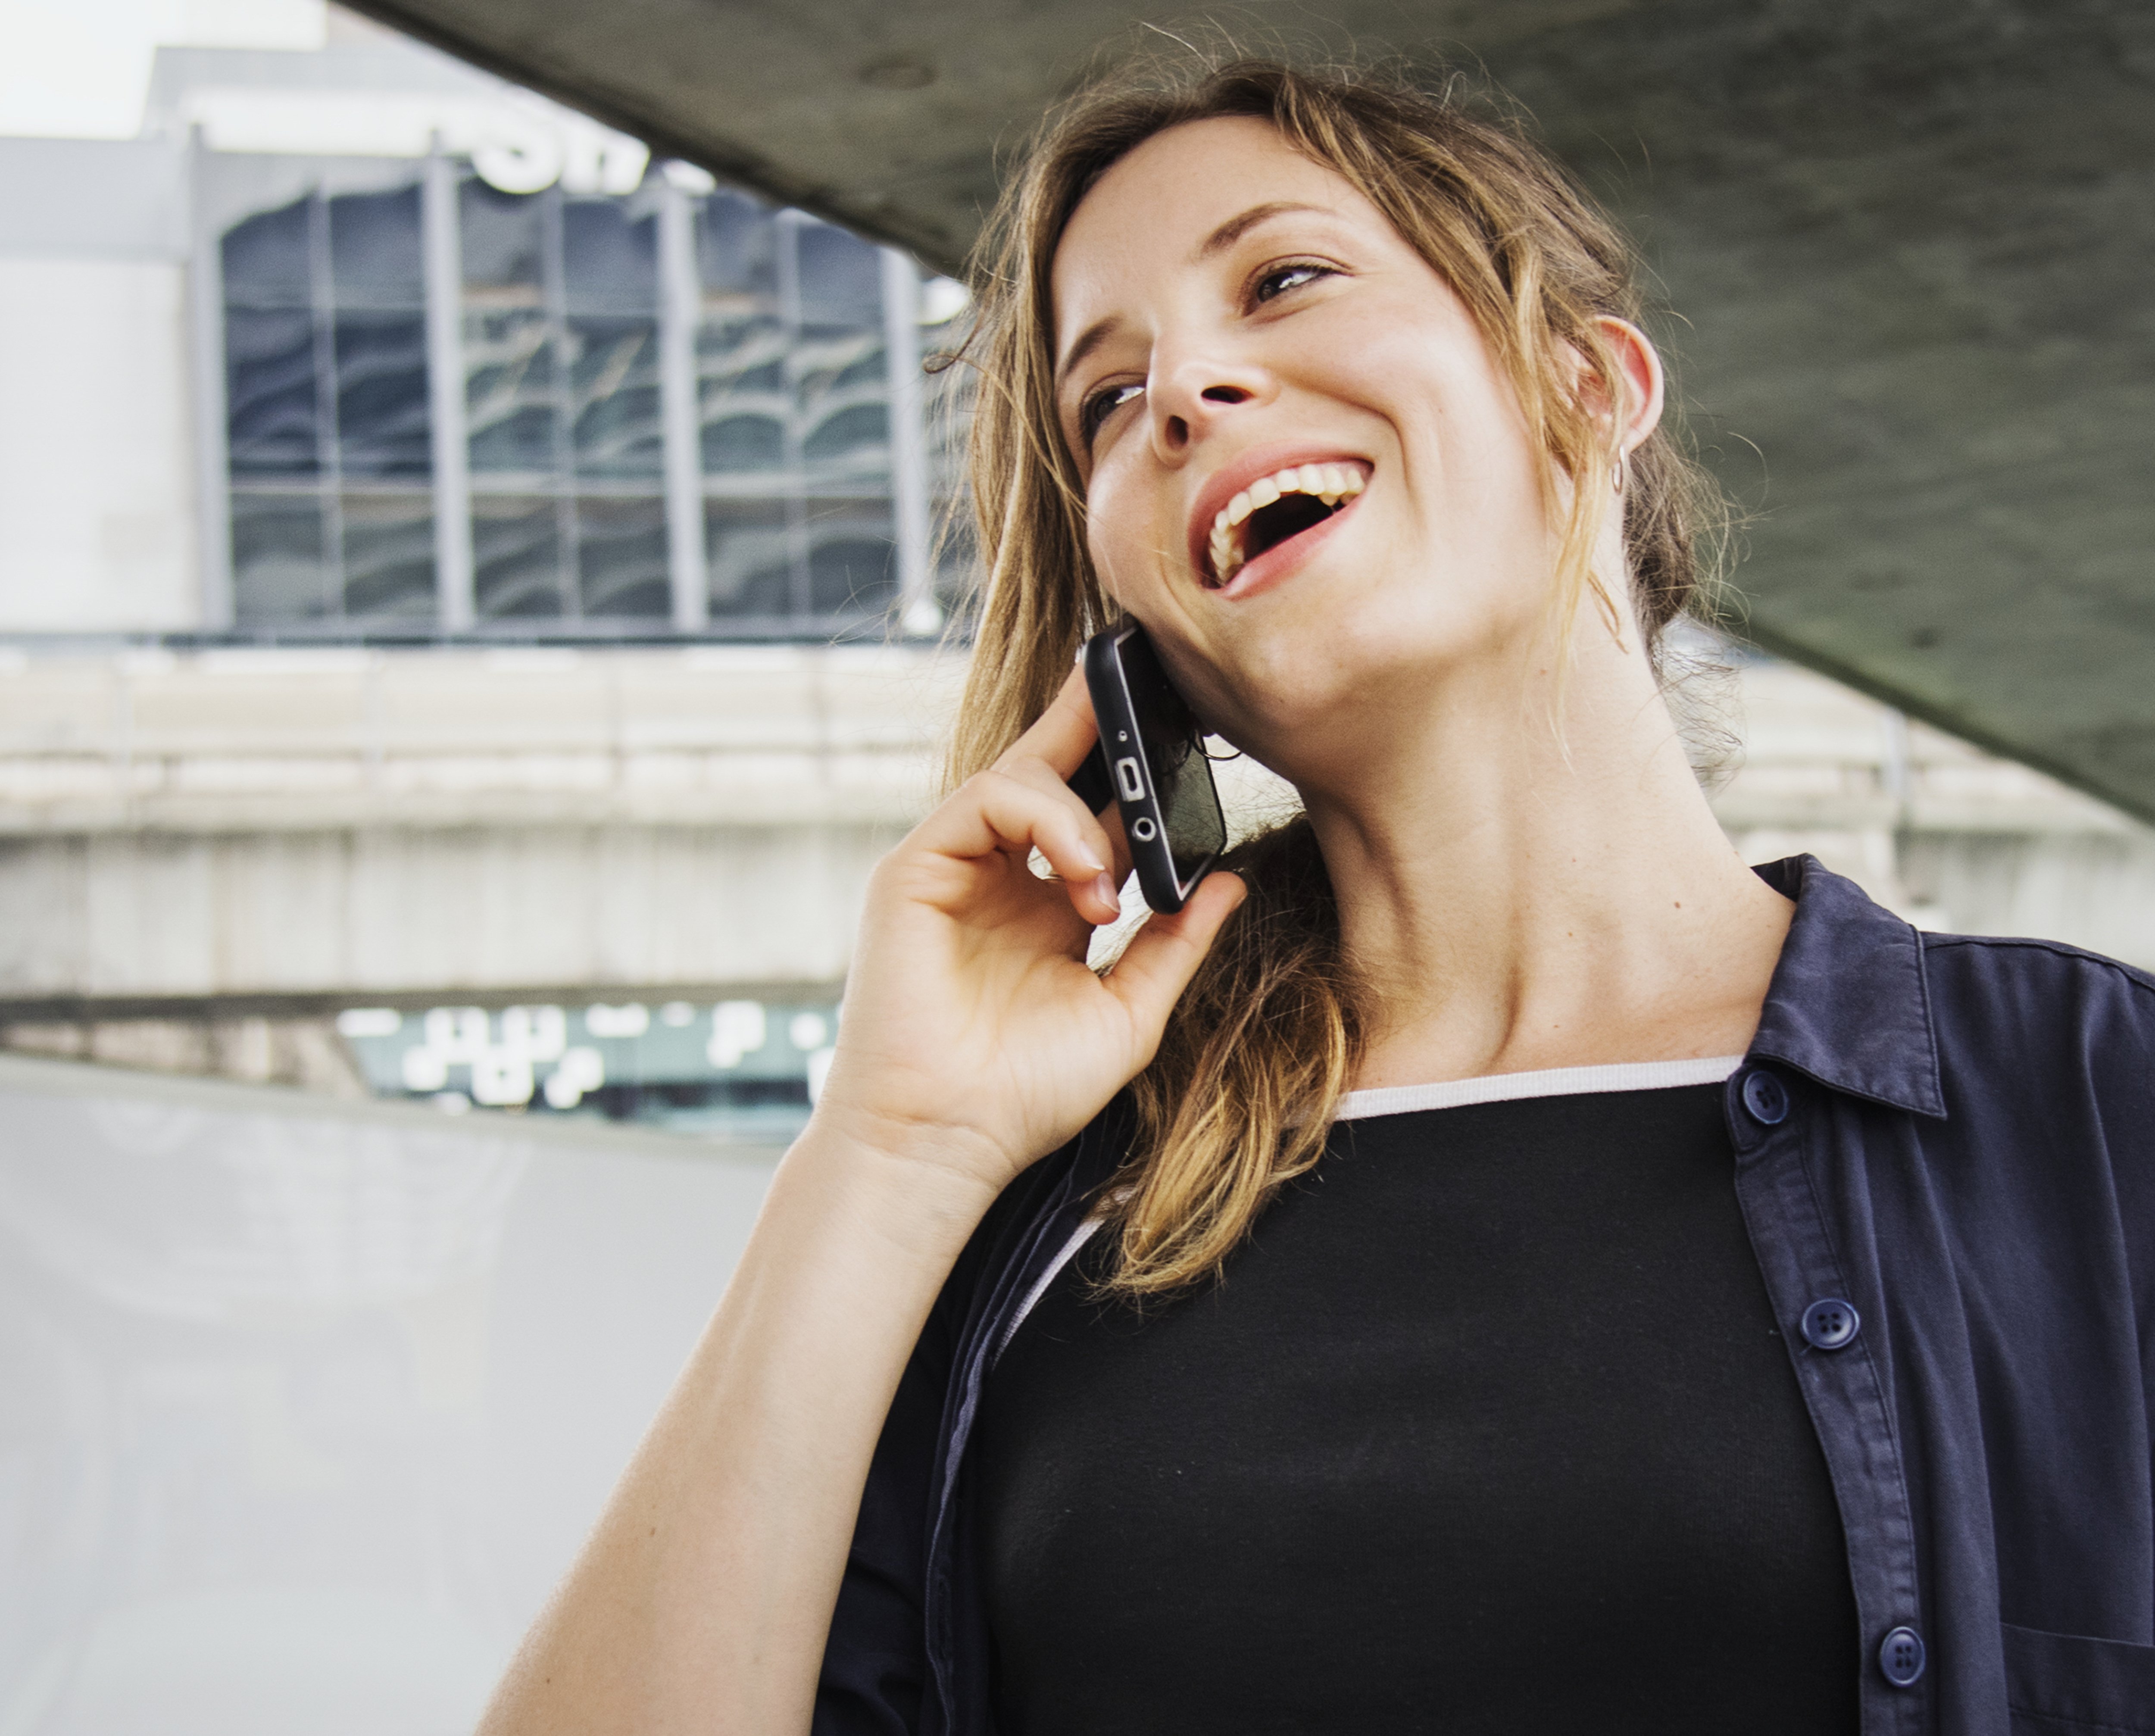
1131	779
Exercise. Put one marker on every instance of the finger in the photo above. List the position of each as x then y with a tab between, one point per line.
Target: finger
1103	831
1062	735
1157	965
998	812
1118	844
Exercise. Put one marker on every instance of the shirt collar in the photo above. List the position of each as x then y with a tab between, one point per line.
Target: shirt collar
1849	1004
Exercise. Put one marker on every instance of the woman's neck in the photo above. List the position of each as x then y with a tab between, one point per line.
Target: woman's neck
1515	897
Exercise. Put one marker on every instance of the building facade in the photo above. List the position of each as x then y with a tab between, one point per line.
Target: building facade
388	350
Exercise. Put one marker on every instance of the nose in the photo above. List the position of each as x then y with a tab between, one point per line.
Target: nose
1190	397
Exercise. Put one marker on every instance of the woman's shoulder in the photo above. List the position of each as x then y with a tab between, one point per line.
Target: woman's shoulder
2044	1023
1974	977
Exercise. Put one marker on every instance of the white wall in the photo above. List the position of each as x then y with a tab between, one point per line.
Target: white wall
305	1406
97	514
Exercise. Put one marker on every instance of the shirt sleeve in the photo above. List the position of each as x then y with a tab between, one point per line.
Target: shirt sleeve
875	1661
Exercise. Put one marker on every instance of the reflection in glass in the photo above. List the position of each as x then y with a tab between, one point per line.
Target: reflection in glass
841	280
267	258
857	435
614	376
737	246
278	572
374	249
271	408
510	399
620	558
327	384
389	557
516	547
852	557
747	556
503	237
609	260
383	420
744	402
743	443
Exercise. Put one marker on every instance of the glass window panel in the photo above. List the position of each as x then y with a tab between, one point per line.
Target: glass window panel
374	249
742	353
614	374
516	548
852	558
620	558
844	394
870	370
610	263
269	391
744	394
747	555
266	258
389	558
851	434
737	245
384	423
504	235
511	402
841	279
744	444
278	572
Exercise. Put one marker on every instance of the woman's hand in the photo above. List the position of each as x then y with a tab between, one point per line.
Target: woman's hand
976	1038
974	1041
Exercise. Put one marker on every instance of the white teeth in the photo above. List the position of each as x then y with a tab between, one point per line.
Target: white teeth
1329	483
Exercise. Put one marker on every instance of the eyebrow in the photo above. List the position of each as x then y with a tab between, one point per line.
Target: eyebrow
1219	241
1236	228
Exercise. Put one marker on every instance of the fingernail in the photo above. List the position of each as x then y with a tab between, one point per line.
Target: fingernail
1089	858
1105	890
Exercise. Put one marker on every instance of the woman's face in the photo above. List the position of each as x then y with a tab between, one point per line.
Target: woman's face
1304	472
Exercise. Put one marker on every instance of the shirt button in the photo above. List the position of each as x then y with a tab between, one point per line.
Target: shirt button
1831	1324
1765	1097
1901	1656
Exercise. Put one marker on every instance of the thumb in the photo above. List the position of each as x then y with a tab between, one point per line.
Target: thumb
1158	964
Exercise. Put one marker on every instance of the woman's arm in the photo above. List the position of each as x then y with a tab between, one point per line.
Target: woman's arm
974	1041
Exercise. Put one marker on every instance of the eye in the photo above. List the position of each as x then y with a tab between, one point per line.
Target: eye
1103	403
1277	280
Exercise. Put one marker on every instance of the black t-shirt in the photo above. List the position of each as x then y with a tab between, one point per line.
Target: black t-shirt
1488	1428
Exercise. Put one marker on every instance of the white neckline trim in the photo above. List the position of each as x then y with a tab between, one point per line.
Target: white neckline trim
1453	1093
1553	1082
1079	1237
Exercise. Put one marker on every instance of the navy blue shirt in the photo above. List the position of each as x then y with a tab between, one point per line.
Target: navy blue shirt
1945	1159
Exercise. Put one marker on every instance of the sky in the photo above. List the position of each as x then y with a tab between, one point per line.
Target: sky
81	68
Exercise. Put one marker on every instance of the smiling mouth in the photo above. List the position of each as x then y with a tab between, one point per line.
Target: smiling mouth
1277	507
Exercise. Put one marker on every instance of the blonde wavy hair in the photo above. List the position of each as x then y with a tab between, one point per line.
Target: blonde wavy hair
1240	1098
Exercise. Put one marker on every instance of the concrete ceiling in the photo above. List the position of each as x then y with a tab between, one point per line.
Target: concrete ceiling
1911	241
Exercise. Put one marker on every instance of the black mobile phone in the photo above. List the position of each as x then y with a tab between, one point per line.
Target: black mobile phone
1151	762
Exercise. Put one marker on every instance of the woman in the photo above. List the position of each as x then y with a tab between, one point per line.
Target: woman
1493	1262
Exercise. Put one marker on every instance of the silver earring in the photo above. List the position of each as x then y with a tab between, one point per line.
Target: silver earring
1622	471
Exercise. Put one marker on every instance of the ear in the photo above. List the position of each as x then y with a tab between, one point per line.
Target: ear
1638	383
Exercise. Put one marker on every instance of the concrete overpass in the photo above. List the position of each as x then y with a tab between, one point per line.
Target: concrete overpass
1910	242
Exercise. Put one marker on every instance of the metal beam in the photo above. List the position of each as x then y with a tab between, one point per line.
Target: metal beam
680	306
443	257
